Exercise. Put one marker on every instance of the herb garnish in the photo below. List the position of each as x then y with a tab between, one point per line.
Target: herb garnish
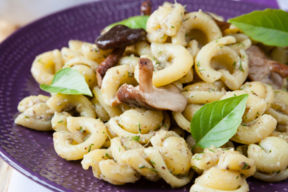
136	138
269	26
90	147
68	81
215	123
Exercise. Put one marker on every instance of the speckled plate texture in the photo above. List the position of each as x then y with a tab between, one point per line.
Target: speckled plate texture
32	152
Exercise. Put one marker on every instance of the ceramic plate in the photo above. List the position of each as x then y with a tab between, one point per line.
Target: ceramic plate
32	152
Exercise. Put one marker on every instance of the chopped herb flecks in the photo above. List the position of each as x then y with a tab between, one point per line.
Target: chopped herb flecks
245	166
107	155
141	167
136	138
90	147
139	127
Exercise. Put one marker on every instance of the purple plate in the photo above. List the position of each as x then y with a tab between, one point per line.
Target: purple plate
32	152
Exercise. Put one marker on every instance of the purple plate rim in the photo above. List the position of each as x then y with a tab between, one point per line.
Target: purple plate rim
9	159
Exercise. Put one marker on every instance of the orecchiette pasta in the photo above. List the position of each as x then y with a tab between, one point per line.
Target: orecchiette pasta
279	109
270	156
164	22
59	121
256	130
226	167
105	111
272	177
94	135
242	42
174	62
113	79
37	117
166	162
204	161
46	65
93	159
88	50
143	48
147	122
171	146
107	169
202	92
234	161
35	114
219	180
218	61
199	26
81	61
261	90
146	93
80	103
29	101
129	60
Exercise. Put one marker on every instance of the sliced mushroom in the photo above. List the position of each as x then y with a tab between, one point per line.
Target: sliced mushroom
279	68
263	69
223	25
120	36
109	62
148	96
146	7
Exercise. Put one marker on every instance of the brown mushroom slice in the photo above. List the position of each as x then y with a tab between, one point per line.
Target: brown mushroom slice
279	68
146	7
263	69
109	62
120	36
148	96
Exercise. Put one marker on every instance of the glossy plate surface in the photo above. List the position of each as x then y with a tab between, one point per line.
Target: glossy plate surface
32	152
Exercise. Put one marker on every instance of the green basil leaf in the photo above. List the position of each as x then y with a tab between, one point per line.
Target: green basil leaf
132	22
68	81
269	26
215	123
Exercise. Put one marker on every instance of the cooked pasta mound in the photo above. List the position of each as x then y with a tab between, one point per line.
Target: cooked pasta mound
145	94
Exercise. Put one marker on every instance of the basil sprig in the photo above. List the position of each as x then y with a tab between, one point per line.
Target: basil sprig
134	22
269	26
215	123
68	81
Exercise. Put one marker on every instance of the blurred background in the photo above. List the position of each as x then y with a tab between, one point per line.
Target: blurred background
24	11
16	13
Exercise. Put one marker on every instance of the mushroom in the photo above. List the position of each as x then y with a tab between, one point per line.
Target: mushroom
263	69
146	7
117	38
223	25
148	96
120	36
109	62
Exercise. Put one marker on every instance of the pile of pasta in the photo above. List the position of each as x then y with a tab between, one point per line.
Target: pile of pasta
123	143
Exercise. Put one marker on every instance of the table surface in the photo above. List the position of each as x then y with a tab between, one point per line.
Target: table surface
10	179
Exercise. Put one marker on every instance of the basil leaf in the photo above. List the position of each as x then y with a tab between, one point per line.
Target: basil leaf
215	123
269	26
68	81
132	22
